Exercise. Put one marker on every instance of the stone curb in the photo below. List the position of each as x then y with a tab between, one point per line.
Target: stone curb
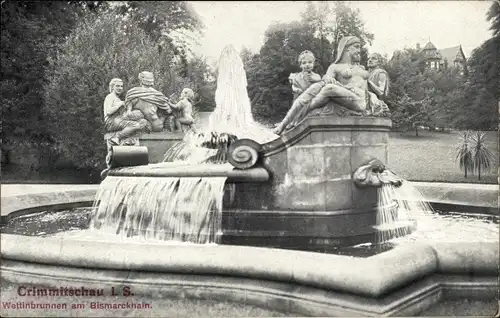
373	276
481	195
277	296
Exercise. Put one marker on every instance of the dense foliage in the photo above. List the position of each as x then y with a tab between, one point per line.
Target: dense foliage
57	58
31	34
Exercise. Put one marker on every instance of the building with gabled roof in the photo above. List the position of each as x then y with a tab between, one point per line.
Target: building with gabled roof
444	58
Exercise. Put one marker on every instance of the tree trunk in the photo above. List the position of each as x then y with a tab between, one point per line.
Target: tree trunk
416	131
479	173
465	176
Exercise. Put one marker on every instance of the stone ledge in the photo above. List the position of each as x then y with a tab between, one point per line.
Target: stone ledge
373	276
481	195
21	199
164	135
324	124
283	297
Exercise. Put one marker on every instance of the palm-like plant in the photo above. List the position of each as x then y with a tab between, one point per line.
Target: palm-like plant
482	157
464	152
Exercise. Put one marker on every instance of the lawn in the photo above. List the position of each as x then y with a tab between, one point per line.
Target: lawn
428	157
431	157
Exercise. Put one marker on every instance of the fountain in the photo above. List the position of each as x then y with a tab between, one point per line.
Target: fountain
275	186
270	203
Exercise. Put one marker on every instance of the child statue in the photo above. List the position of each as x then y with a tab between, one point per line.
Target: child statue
184	111
301	81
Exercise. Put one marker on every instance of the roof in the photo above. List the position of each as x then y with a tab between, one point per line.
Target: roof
429	46
451	53
430	51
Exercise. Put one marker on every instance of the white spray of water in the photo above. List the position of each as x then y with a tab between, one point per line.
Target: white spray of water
399	209
232	116
233	111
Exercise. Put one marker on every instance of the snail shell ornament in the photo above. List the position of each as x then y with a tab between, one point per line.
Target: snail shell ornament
244	153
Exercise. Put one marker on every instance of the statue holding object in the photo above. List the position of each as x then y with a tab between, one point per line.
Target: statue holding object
301	81
343	90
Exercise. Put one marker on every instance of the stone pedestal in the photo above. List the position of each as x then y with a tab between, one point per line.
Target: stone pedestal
158	143
311	198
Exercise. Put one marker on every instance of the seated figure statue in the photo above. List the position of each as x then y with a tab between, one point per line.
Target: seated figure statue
121	125
152	103
345	83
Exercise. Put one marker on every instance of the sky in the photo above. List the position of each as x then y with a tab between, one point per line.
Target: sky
395	24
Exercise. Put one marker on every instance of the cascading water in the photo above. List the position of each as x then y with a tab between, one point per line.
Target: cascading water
398	209
186	209
179	209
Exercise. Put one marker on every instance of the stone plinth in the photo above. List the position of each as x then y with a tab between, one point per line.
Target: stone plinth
311	198
158	143
312	165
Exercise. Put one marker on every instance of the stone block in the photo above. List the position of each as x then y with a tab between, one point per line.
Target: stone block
277	164
331	137
337	161
301	195
338	195
159	143
370	138
306	162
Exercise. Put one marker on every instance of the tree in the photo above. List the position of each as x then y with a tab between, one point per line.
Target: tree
480	93
438	91
330	24
493	16
101	48
464	153
166	22
411	113
31	34
482	157
319	30
472	153
348	22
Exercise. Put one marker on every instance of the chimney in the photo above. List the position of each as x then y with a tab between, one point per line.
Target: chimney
418	46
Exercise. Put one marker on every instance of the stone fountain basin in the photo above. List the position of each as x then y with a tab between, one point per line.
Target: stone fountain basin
402	281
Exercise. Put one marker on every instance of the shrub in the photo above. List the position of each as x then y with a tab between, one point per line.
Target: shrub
481	156
472	153
464	153
100	48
